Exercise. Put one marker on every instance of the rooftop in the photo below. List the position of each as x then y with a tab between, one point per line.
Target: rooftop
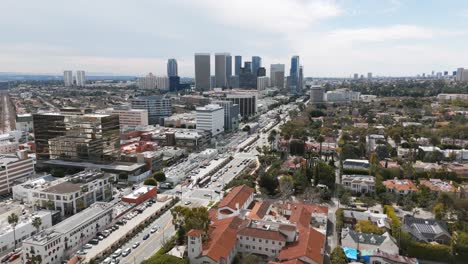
237	197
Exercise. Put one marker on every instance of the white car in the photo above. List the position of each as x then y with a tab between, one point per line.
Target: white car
187	202
87	246
154	229
136	245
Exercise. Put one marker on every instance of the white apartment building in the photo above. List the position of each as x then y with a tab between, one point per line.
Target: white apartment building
130	118
359	183
341	96
68	195
211	118
448	97
262	83
13	168
80	78
68	78
23	230
56	243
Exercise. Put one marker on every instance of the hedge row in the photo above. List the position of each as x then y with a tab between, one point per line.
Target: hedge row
434	252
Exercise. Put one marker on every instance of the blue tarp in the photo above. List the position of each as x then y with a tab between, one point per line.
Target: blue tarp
351	253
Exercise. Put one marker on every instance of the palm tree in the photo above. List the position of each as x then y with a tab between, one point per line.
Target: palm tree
37	222
13	221
320	139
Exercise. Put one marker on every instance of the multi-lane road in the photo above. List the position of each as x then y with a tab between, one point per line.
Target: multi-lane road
7	113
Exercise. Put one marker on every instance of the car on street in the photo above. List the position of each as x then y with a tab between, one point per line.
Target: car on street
146	236
87	246
94	241
14	257
207	195
117	253
187	202
153	230
126	252
107	261
100	237
7	256
115	261
81	252
136	244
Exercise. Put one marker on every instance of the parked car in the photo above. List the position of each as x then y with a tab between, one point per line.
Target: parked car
107	261
14	257
126	252
87	246
154	229
115	261
136	244
100	237
117	253
7	257
81	252
94	241
146	236
187	202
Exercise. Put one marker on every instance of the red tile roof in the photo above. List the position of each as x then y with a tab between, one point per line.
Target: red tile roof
239	194
222	238
195	233
261	233
309	245
293	261
259	210
400	185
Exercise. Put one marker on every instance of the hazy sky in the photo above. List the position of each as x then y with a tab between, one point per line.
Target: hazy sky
332	38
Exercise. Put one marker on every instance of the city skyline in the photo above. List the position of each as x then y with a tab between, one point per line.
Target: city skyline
333	38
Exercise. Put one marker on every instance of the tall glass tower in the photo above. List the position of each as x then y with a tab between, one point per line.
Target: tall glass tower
256	64
294	75
172	68
238	64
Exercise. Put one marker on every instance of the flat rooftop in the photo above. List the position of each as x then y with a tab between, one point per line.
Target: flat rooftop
64	187
84	216
138	192
117	166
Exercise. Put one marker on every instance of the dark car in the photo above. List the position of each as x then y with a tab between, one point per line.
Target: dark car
7	256
94	241
146	236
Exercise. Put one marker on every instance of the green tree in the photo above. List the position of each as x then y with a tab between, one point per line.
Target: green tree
268	182
320	139
439	211
366	226
338	256
13	221
36	223
190	218
150	181
345	198
160	176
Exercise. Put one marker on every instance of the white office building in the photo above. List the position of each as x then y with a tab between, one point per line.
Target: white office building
462	75
80	78
130	118
23	230
68	78
211	118
13	168
262	83
57	243
277	75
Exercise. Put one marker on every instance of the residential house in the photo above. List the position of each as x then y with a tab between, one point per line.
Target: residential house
356	164
363	241
351	218
426	230
402	187
358	183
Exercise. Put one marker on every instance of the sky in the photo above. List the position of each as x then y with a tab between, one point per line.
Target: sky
332	38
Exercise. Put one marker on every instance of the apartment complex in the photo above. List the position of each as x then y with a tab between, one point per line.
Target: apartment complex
158	107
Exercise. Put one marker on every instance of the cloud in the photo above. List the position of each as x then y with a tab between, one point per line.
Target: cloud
275	16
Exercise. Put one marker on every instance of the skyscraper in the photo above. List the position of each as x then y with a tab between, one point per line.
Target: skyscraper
202	71
247	80
68	78
261	72
229	70
301	79
248	65
356	76
221	69
256	64
238	64
80	78
294	75
277	75
369	75
172	68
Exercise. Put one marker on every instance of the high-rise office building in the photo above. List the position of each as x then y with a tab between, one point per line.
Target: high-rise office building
248	65
277	75
202	71
234	81
461	75
247	102
68	78
369	75
256	64
247	80
317	94
356	76
210	118
301	80
77	137
262	83
221	69
228	70
212	81
231	114
80	78
172	68
261	72
174	84
158	107
162	83
294	75
238	64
